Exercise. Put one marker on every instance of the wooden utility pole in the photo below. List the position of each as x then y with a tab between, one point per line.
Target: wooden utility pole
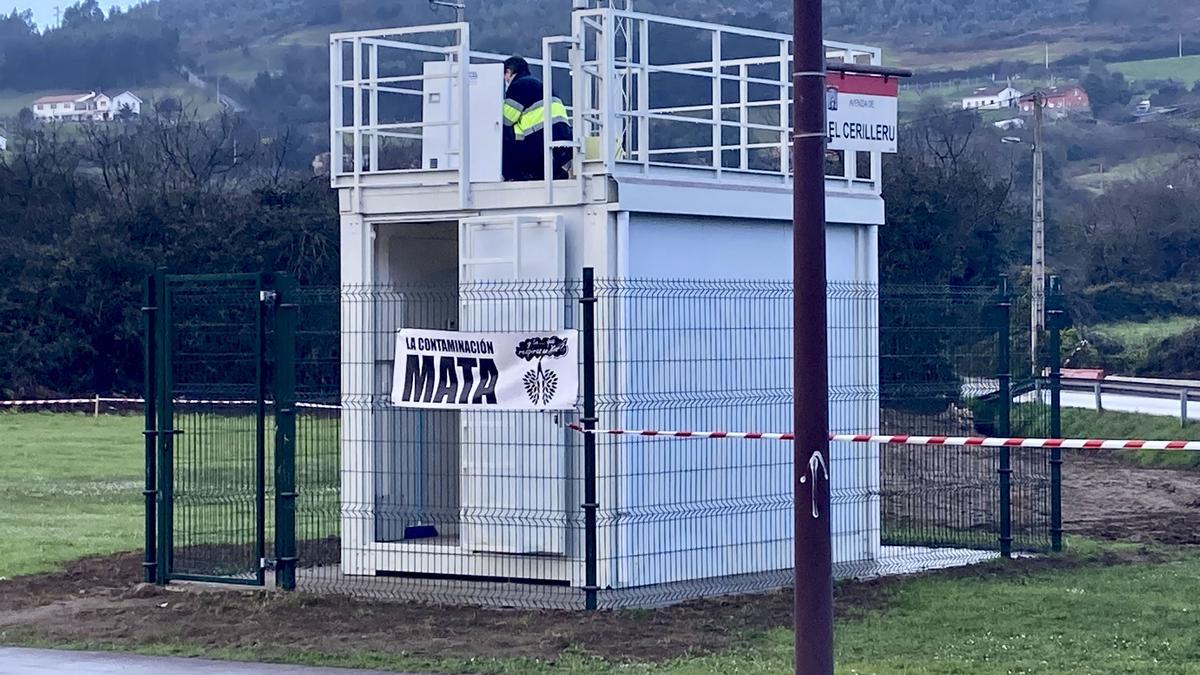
813	601
1037	310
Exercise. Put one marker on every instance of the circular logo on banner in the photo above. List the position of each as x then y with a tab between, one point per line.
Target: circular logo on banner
541	383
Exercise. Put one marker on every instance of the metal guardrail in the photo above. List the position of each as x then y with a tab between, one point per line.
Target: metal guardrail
1184	391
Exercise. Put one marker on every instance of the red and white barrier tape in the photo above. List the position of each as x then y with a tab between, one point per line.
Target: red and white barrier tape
70	401
955	441
178	401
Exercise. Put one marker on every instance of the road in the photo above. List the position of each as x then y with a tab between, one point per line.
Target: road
18	661
200	83
1146	405
1148	396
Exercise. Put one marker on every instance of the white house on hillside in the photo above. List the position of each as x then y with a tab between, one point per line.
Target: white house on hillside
991	98
79	107
73	107
3	144
126	100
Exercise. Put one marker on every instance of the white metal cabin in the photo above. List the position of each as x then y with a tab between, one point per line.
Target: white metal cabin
681	172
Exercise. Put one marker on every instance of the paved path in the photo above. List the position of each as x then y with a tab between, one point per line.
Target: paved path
17	661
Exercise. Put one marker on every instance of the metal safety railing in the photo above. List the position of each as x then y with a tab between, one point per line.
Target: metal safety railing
400	102
691	94
645	93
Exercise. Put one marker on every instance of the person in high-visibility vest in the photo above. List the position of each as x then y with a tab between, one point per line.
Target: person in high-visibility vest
525	119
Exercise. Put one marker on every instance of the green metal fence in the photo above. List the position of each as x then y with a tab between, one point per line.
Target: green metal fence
274	455
955	362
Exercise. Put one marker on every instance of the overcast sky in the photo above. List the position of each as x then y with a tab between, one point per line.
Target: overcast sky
43	10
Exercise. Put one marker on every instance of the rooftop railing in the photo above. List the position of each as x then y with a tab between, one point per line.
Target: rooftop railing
646	94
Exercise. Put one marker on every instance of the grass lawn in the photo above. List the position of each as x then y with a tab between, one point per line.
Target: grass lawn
1122	619
1185	70
1135	333
932	61
1138	338
1098	182
263	55
1080	423
70	487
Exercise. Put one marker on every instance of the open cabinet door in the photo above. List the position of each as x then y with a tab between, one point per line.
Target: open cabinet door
514	474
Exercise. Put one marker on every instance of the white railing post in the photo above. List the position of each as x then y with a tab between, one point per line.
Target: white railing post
373	107
464	126
336	77
716	102
548	120
785	123
627	85
643	120
743	118
358	118
578	101
606	49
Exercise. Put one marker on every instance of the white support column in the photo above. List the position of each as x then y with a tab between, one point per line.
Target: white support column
357	396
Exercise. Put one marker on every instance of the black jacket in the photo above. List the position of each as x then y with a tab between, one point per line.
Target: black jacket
523	152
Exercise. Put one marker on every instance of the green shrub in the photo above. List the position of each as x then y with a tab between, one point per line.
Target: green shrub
1123	301
1177	357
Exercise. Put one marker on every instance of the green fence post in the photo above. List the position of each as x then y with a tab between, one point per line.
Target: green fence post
1055	321
165	433
285	432
265	302
589	439
1004	376
150	432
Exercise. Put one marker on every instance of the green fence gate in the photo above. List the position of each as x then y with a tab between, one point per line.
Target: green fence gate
219	409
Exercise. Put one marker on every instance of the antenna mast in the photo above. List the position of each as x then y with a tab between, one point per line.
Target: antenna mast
459	7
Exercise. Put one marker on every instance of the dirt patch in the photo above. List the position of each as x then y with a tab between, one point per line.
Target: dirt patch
952	493
1107	498
95	601
79	578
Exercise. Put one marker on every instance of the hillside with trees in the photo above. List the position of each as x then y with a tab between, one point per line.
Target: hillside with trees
86	212
89	51
84	217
